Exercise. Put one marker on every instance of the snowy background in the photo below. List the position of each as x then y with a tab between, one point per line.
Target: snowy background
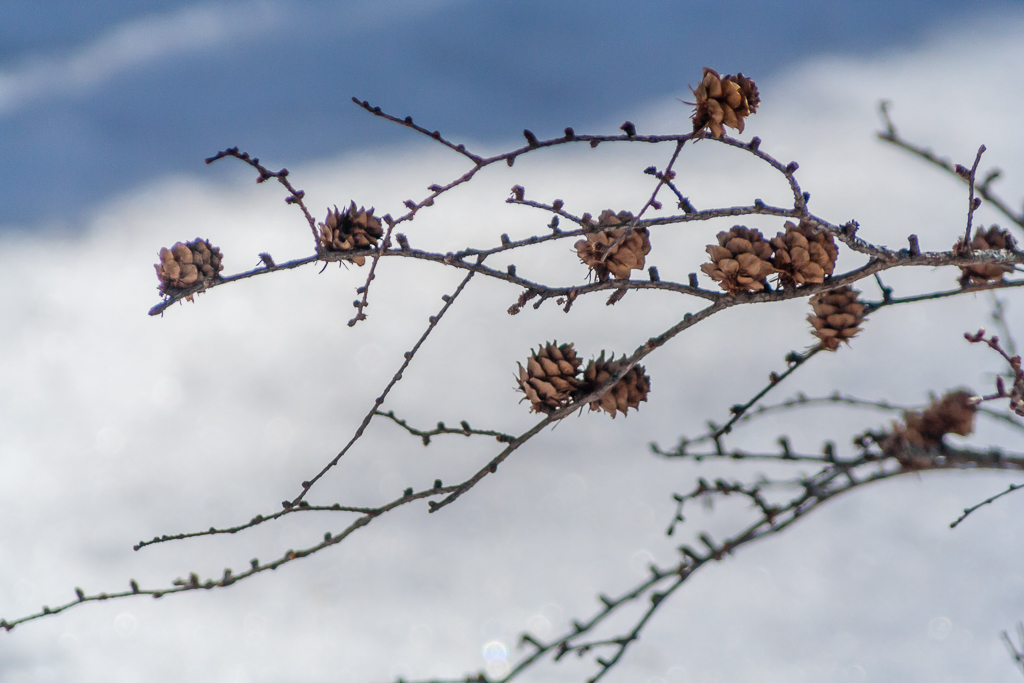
116	427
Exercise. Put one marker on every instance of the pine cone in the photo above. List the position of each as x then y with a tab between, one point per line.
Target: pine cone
624	394
1017	395
993	238
741	261
188	264
724	102
837	316
597	251
952	414
803	256
350	231
550	379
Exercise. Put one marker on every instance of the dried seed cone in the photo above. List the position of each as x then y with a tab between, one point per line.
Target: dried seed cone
627	393
803	256
724	101
550	379
741	261
1017	396
837	316
188	264
993	238
952	414
600	251
351	230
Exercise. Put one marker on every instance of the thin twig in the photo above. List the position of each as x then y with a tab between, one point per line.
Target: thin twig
463	429
968	511
409	355
1015	652
891	136
295	196
972	204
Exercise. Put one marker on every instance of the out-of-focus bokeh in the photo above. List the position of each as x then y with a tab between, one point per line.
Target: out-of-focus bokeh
116	427
97	97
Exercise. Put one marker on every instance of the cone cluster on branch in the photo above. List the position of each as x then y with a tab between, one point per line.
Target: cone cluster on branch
723	101
614	250
952	414
627	393
551	380
993	238
837	316
741	261
188	264
350	230
803	256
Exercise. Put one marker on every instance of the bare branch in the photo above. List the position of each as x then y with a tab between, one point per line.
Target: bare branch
968	511
891	136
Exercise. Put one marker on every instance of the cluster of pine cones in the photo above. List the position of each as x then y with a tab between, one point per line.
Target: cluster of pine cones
614	250
187	265
551	380
723	101
742	260
350	230
952	414
993	238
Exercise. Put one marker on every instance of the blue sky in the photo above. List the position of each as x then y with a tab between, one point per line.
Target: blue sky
96	98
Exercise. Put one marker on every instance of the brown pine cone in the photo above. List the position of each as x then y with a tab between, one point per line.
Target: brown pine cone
837	316
993	238
803	256
352	230
952	414
550	379
186	265
598	252
624	394
724	101
1017	396
741	261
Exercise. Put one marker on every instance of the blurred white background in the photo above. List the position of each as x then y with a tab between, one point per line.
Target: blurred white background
116	427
